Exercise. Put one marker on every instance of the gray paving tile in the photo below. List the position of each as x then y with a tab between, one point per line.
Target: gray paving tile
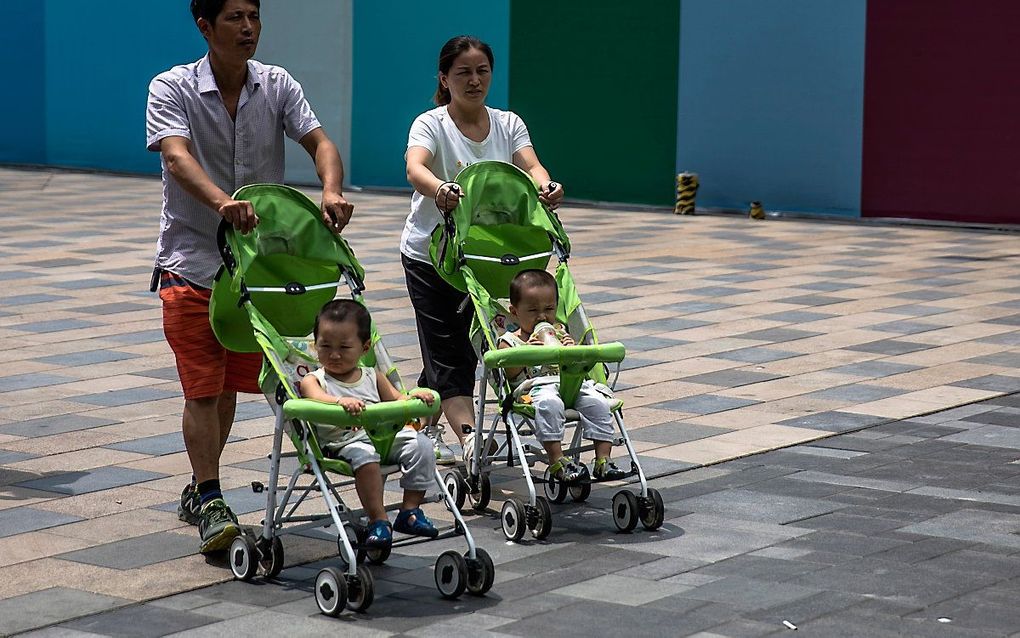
978	526
157	445
144	336
874	369
826	452
797	316
813	300
668	325
925	294
718	291
26	300
776	335
825	286
7	456
703	404
1009	320
59	325
756	506
914	310
84	284
834	421
167	374
144	621
746	593
992	382
643	344
857	481
673	433
855	392
137	552
889	347
695	307
989	435
1003	359
116	398
114	308
102	478
90	357
49	606
732	378
578	621
27	381
47	426
759	354
18	520
905	327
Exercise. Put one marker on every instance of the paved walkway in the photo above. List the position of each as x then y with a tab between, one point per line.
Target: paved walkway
742	337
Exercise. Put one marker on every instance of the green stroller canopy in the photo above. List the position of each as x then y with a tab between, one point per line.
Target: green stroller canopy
289	265
499	228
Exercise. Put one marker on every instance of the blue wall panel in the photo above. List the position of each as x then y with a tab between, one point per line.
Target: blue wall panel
771	102
396	50
98	66
21	47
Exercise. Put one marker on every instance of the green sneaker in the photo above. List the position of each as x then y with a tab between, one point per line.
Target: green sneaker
217	526
190	505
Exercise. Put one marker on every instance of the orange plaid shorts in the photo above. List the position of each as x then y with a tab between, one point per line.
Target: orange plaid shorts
205	367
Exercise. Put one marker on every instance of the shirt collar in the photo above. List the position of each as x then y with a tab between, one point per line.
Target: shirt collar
207	81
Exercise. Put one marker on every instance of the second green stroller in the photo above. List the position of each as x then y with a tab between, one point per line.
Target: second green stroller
265	299
498	229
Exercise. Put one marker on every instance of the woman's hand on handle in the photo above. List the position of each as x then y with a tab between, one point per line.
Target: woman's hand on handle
551	194
448	196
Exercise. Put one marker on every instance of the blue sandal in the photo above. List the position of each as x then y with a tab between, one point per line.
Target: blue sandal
379	535
420	526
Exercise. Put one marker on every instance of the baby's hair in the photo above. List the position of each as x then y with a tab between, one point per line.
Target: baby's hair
340	310
532	278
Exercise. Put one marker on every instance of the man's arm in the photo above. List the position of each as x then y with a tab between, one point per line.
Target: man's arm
336	211
184	168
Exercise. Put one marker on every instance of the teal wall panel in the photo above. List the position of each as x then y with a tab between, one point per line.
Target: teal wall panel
21	45
771	102
396	52
99	60
596	83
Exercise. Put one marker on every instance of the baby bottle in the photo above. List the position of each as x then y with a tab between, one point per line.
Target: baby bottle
546	333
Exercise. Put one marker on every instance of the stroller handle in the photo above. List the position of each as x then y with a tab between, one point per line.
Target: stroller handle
564	356
378	414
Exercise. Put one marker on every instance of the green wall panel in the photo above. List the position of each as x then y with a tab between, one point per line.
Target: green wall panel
596	83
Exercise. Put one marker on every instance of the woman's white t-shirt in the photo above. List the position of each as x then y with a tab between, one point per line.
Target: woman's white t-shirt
451	151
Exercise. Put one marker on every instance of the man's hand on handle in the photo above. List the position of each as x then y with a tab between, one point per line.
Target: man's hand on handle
240	214
336	211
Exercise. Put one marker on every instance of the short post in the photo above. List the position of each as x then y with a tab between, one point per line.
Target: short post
686	190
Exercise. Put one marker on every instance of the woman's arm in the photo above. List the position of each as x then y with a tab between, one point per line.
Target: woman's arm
420	175
527	159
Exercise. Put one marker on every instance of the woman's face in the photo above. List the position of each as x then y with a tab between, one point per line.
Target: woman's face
469	78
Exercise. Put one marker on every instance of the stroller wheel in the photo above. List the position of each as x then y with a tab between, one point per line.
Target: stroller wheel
482	495
360	590
580	492
356	536
554	489
625	511
481	572
542	524
271	560
451	574
457	487
378	555
653	512
330	591
243	557
513	519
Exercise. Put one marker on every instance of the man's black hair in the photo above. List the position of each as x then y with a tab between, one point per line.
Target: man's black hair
209	9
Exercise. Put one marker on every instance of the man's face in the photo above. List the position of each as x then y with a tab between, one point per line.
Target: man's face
235	33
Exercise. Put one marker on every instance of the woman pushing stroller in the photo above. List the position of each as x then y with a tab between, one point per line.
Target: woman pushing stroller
460	131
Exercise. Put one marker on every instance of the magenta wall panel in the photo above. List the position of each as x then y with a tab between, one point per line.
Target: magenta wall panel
941	110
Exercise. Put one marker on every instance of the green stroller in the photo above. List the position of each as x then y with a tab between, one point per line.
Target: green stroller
265	299
498	229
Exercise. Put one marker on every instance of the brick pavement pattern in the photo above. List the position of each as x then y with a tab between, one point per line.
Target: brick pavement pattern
742	337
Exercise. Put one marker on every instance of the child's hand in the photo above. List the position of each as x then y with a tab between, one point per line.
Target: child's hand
424	395
535	341
353	406
567	340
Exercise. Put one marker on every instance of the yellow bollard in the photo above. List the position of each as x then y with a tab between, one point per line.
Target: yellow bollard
756	212
686	189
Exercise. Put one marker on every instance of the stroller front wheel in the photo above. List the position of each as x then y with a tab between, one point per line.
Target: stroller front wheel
271	560
360	590
330	591
481	496
243	558
451	574
513	519
481	572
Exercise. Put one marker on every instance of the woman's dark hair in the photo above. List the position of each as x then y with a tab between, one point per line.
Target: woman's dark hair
340	310
209	9
449	52
532	278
